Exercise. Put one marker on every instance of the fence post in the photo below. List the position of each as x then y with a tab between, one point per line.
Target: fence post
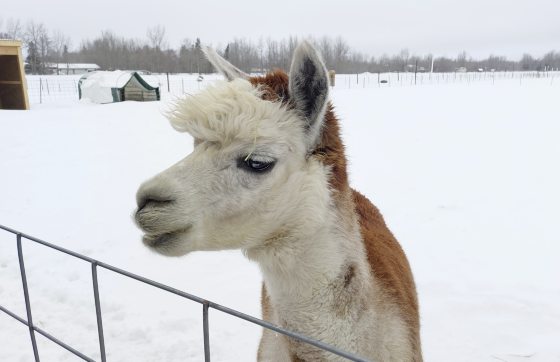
206	332
168	88
27	302
98	311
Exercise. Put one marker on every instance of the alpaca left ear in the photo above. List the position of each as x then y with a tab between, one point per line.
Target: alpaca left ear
227	69
309	90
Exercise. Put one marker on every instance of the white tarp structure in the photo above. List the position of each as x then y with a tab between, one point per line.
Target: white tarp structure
116	86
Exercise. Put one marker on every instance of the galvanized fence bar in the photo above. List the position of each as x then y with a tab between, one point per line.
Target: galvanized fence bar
178	292
288	333
63	345
206	305
206	331
47	335
26	296
98	311
13	315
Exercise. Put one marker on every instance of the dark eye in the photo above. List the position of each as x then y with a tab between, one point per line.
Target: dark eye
256	165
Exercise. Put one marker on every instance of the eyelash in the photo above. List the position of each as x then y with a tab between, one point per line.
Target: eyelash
255	166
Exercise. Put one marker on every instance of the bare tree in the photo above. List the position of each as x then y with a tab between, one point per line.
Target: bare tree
156	36
14	29
341	51
403	59
326	48
462	59
36	36
59	48
528	62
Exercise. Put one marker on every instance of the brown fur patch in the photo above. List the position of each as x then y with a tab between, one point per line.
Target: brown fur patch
295	358
274	85
349	303
350	274
390	266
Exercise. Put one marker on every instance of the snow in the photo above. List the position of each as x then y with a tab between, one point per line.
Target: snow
110	79
465	174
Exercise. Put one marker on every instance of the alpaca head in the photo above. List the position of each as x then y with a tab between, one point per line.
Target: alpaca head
251	179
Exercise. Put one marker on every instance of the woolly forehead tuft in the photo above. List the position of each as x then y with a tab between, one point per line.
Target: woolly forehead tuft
228	111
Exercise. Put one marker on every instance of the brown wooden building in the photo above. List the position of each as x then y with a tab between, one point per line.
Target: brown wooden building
13	88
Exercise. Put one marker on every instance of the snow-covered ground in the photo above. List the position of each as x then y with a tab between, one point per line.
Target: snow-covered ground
466	175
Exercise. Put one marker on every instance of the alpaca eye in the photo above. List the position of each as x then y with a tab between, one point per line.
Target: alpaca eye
256	165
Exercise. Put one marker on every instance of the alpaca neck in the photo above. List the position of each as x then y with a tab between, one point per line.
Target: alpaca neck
317	278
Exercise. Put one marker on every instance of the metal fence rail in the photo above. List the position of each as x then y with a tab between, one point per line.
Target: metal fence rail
95	264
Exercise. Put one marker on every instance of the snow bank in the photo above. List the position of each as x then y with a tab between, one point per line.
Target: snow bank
465	175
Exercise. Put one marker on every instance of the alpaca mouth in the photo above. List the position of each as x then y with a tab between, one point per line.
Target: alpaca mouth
163	240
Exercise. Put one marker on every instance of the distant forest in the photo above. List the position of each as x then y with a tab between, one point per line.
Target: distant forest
111	51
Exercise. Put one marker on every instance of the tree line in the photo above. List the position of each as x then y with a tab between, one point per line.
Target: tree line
153	54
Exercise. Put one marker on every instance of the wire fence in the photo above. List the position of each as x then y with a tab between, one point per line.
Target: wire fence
56	88
95	265
403	79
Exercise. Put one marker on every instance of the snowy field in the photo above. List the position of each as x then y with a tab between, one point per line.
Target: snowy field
54	89
465	173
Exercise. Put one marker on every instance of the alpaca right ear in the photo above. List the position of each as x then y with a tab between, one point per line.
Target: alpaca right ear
309	89
227	69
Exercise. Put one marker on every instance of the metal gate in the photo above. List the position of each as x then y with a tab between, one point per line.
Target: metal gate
95	264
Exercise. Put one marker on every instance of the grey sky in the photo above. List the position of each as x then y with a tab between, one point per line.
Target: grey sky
441	27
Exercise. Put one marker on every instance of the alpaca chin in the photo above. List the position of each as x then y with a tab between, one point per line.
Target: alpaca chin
168	244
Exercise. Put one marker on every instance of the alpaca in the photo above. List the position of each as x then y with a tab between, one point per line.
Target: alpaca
268	176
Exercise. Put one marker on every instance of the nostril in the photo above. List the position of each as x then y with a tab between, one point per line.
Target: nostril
152	201
155	192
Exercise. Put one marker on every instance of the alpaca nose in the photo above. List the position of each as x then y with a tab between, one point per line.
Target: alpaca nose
151	194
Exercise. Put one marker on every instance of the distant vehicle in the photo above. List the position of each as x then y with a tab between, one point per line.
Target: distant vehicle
461	70
383	81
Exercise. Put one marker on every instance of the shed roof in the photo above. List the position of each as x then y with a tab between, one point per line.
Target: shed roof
73	66
114	79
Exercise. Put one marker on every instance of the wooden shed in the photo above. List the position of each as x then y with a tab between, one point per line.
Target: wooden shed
13	89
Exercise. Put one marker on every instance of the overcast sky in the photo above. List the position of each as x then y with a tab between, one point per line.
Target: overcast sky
440	27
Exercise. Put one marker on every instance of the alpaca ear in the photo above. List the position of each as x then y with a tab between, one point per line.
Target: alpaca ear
309	89
227	69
